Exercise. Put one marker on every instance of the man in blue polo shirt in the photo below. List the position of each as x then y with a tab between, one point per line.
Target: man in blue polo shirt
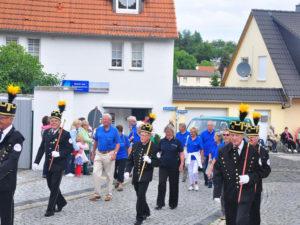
207	138
182	136
107	145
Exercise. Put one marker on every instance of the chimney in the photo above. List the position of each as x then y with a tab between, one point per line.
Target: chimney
298	8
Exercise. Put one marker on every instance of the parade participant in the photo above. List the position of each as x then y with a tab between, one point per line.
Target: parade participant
143	158
121	159
11	143
193	158
226	136
237	171
57	144
171	163
155	138
182	135
133	135
207	138
107	144
264	162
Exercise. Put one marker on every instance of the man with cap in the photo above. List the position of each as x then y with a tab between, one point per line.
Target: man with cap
56	145
143	158
237	171
264	163
11	143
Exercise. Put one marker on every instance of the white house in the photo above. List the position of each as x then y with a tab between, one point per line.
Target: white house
122	49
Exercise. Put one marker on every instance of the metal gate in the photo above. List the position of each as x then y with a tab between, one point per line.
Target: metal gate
23	123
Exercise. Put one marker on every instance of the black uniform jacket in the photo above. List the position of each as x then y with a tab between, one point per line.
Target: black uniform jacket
48	145
10	150
229	167
135	159
264	162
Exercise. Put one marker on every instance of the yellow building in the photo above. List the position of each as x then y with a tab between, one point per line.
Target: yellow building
270	44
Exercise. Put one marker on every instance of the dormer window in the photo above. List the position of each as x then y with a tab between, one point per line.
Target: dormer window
127	6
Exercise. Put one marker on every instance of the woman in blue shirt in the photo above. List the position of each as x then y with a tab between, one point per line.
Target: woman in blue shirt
121	159
193	158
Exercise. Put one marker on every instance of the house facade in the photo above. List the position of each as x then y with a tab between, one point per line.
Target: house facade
194	78
122	51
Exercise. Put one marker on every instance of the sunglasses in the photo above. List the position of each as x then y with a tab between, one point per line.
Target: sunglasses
226	135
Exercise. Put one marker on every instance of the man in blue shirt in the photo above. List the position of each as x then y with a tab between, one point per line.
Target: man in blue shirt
207	138
182	136
133	135
107	144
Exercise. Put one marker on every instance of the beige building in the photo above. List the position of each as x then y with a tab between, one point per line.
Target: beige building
194	78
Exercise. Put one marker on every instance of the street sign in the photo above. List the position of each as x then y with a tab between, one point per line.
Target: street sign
182	111
78	85
169	108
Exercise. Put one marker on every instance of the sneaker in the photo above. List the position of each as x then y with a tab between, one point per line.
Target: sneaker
295	151
70	175
191	188
196	187
108	198
289	150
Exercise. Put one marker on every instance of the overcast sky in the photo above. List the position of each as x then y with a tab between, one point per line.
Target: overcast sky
222	19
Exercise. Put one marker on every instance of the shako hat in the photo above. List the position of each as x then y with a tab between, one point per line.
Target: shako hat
57	114
254	130
239	126
9	108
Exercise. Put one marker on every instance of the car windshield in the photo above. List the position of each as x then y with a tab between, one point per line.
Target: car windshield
201	124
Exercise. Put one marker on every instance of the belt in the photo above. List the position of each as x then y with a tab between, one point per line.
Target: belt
105	152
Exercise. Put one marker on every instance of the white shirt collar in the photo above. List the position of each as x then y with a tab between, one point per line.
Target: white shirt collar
5	132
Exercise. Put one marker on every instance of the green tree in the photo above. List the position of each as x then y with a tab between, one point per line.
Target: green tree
20	68
215	80
206	63
183	60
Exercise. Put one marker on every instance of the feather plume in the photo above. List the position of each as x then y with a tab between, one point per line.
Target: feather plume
12	92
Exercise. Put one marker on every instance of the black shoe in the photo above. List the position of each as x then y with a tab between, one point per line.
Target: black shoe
146	216
173	207
158	207
138	222
49	213
59	208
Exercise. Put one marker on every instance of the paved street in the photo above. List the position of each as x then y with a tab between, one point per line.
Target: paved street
280	204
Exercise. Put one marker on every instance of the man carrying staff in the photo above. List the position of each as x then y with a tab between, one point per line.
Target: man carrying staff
237	171
11	142
143	158
56	145
264	163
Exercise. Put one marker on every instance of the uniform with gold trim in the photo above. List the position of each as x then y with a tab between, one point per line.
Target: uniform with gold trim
227	172
54	175
136	160
265	169
11	143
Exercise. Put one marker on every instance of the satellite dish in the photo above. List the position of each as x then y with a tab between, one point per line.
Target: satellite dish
243	69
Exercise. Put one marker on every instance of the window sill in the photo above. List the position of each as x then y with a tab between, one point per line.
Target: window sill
116	68
243	80
261	80
136	69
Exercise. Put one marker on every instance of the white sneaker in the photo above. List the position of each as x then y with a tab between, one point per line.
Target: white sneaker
289	150
70	175
295	151
196	187
191	188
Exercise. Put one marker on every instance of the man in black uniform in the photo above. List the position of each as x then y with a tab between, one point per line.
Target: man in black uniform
143	158
265	169
58	157
11	142
238	184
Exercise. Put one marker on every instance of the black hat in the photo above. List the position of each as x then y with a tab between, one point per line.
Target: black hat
57	114
254	130
147	128
9	108
239	126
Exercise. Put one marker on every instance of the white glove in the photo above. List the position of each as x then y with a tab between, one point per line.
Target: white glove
55	154
147	159
126	176
218	200
244	179
35	166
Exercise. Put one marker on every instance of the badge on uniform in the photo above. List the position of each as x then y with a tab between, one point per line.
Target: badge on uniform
17	147
268	162
70	141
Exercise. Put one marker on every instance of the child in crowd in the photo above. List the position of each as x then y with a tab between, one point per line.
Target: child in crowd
80	157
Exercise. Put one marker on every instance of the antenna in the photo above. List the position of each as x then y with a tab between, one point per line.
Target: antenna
243	69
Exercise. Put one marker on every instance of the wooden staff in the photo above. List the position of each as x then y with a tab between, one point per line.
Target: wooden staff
144	164
57	144
244	170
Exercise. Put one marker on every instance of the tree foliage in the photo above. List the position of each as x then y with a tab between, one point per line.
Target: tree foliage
215	80
183	60
20	68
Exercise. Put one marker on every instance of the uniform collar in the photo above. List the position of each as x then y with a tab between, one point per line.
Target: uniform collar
5	132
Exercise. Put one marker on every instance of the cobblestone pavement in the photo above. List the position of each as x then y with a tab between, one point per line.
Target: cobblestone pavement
280	204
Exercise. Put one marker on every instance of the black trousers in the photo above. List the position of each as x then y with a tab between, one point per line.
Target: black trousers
142	208
120	169
206	158
237	214
173	176
56	198
255	210
7	207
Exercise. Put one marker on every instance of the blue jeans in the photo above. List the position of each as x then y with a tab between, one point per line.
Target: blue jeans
70	164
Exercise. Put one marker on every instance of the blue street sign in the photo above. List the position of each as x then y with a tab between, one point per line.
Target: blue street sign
169	108
182	111
78	85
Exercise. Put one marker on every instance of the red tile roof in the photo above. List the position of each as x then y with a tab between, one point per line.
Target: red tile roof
209	69
88	17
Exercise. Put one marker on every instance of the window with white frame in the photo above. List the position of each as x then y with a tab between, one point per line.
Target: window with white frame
34	47
185	80
117	55
128	6
262	68
10	39
137	55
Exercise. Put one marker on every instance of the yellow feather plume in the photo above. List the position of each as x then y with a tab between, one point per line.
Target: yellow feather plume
244	108
152	116
13	90
256	115
61	103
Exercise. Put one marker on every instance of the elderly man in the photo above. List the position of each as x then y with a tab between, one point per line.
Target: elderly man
106	147
133	135
11	142
182	135
237	171
208	141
